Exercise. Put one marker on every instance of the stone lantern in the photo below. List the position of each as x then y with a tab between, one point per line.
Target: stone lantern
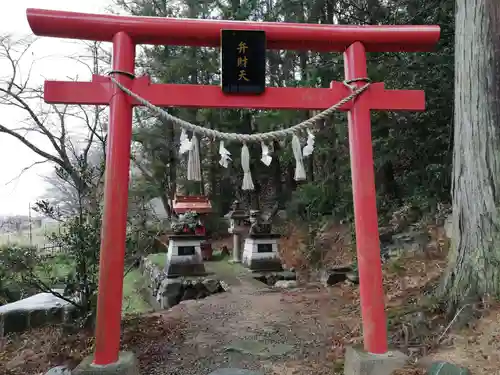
237	219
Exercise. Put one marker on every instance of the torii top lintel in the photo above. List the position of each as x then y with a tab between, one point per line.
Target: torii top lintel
196	32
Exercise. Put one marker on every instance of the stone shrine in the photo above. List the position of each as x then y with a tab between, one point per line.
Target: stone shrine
184	255
199	206
260	252
237	218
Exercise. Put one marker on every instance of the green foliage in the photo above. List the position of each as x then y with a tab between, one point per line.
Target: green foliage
412	151
186	222
133	287
54	269
315	201
17	263
78	266
26	271
80	241
215	224
158	259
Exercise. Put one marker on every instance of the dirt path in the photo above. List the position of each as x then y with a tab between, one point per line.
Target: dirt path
278	332
255	327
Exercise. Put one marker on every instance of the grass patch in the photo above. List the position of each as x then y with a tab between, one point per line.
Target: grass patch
38	236
396	267
158	259
225	267
218	256
219	265
133	303
57	268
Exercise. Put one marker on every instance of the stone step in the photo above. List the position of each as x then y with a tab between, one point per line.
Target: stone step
446	368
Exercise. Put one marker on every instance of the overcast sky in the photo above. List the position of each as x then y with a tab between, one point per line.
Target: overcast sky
49	63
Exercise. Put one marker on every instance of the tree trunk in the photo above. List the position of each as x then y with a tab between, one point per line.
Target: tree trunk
276	174
473	268
173	160
166	205
213	162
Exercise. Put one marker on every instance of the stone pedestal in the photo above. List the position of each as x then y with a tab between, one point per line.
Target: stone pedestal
260	253
184	257
237	232
236	247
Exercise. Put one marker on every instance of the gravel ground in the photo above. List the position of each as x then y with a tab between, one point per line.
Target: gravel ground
235	328
260	318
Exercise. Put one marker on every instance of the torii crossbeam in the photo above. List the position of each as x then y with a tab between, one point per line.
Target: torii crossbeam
100	91
126	32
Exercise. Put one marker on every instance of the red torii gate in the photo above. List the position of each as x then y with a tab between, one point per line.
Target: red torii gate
126	32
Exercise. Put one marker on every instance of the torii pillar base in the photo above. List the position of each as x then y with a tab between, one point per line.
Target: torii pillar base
360	362
127	364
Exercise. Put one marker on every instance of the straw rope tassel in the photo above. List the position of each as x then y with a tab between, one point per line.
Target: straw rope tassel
266	158
184	143
194	168
225	155
245	164
300	172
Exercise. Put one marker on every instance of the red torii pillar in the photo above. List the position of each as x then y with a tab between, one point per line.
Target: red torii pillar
126	32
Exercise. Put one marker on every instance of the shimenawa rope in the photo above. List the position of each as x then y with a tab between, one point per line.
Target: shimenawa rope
243	138
194	168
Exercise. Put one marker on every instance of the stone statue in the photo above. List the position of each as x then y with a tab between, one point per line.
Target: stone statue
235	206
260	252
258	224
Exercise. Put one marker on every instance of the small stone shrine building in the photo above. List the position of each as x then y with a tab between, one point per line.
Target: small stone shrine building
184	256
260	252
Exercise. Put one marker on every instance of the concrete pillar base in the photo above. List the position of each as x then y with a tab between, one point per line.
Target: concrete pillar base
127	364
359	362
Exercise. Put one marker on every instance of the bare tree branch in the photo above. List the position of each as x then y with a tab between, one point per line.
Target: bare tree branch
54	159
25	169
51	121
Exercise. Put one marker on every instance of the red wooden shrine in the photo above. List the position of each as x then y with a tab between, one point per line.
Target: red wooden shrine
201	205
127	32
197	203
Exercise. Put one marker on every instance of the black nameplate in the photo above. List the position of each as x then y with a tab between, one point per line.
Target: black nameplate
186	250
265	248
243	61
